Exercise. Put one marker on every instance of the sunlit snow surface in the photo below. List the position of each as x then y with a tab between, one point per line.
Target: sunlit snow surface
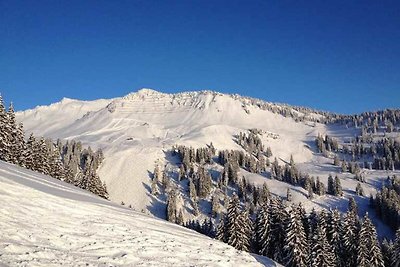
45	222
138	130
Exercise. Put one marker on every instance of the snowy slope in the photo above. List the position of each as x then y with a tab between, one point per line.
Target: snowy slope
45	222
134	131
45	119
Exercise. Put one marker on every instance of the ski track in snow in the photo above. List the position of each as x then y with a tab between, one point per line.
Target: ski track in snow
45	222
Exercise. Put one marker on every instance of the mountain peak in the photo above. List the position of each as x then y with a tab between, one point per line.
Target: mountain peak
147	91
142	93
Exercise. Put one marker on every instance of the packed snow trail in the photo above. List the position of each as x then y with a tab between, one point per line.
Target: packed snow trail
45	222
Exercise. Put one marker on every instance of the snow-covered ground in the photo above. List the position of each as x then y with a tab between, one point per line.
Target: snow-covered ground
45	222
136	131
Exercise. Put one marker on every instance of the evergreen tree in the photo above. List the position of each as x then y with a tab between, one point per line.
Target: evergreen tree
344	166
192	190
21	146
195	206
30	162
334	234
180	219
351	229
264	195
4	148
204	182
278	217
331	185
14	147
387	252
321	251
238	226
262	230
320	188
172	206
310	192
56	166
338	187
353	206
182	173
296	246
396	250
359	190
215	206
222	234
368	250
154	187
90	181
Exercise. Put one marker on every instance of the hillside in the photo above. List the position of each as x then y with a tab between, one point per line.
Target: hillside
137	131
134	131
46	222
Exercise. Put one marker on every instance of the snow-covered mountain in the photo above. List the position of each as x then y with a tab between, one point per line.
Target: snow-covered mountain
137	130
46	222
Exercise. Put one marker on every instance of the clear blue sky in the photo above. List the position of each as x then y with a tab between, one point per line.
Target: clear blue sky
341	56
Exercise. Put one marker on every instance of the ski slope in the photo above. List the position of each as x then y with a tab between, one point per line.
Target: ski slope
46	222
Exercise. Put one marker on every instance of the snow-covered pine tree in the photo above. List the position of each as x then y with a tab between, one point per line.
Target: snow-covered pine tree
180	219
387	252
222	229
204	182
154	187
296	246
264	195
396	250
368	250
91	181
182	173
192	190
334	234
56	169
21	145
29	153
238	226
172	209
289	196
3	132
351	228
338	187
331	185
215	206
261	231
246	231
195	206
165	179
278	217
14	147
353	206
321	251
41	156
310	194
312	226
69	176
320	190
